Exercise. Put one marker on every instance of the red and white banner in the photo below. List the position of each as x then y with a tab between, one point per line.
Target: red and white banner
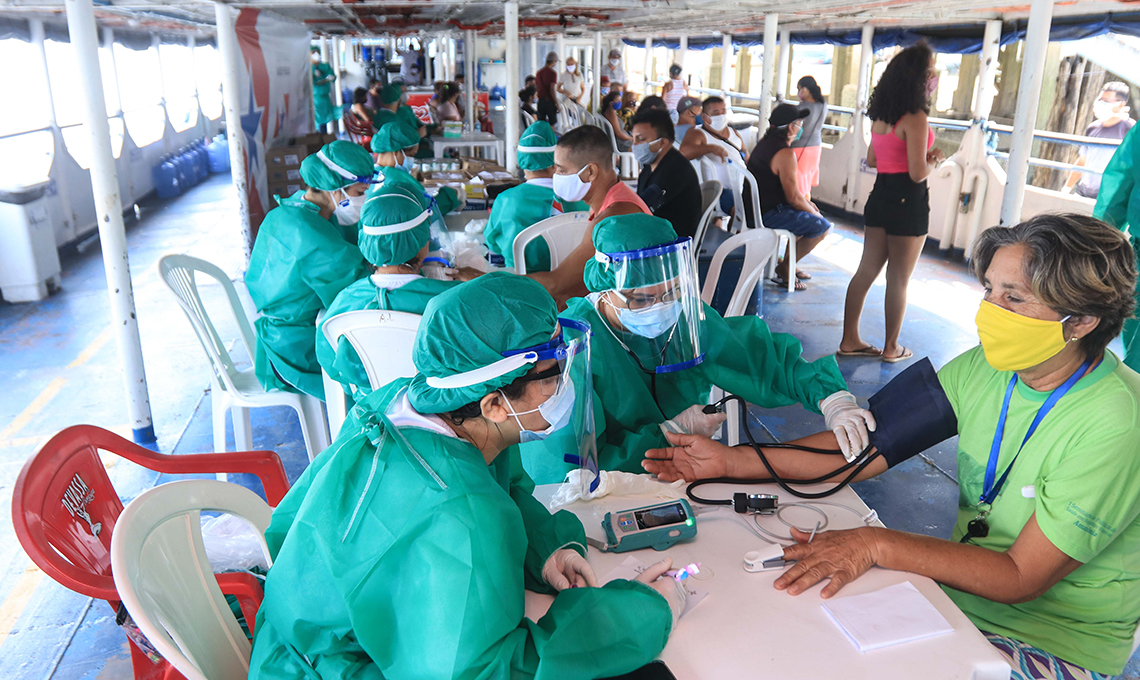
276	94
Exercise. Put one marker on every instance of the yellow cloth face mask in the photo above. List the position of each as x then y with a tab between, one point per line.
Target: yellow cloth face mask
1013	342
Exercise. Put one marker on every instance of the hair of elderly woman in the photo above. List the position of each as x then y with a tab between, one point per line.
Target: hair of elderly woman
1075	265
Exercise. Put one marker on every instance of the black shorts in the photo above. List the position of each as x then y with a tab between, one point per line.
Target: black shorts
899	205
547	111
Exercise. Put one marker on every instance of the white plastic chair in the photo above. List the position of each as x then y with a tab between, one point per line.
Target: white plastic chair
165	580
626	160
382	339
563	233
759	245
234	390
710	195
336	400
739	170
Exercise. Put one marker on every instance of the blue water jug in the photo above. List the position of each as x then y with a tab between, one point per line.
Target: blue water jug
219	152
165	177
201	159
185	172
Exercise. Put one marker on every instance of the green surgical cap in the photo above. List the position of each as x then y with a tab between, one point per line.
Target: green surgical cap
447	200
393	207
350	158
469	327
395	136
537	136
390	93
622	233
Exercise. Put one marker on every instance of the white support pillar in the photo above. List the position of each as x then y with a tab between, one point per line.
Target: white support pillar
338	84
439	69
725	65
866	60
233	70
109	215
683	51
597	61
511	32
469	75
648	89
560	48
767	90
1028	95
533	55
785	63
451	53
108	44
986	90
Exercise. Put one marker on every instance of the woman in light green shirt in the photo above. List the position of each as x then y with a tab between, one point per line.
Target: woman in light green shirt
1042	559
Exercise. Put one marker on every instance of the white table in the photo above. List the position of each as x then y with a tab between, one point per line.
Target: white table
745	628
471	140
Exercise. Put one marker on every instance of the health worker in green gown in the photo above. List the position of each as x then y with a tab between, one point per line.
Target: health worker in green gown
1118	204
394	107
404	550
394	238
323	79
301	260
658	351
528	204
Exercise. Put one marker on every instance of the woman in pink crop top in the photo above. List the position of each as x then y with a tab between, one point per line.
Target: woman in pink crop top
897	212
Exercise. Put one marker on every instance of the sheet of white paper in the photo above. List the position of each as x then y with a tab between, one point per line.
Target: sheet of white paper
632	567
890	616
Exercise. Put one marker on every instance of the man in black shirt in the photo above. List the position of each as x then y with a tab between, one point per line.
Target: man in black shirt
667	183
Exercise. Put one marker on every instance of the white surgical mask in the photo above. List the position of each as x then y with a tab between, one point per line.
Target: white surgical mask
644	152
718	122
571	67
571	187
652	322
348	208
615	62
556	411
1103	110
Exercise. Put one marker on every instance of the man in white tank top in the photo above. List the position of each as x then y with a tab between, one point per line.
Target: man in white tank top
712	146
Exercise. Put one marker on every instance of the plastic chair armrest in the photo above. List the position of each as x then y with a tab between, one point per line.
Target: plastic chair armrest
247	589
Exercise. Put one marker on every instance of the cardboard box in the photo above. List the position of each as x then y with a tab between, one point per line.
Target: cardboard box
285	157
278	174
283	189
314	141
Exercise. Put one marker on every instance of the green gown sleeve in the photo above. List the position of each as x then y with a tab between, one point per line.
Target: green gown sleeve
328	269
766	368
1118	184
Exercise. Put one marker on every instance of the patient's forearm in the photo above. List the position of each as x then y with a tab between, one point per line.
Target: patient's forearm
798	465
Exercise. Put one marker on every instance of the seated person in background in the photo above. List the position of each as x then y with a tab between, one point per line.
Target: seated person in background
603	86
406	548
394	107
651	102
527	99
688	116
435	100
528	204
301	259
712	143
611	106
373	101
389	99
395	236
1043	560
628	108
667	183
448	103
782	206
584	171
460	84
360	110
657	351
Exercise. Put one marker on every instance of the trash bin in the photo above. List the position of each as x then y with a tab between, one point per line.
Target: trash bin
29	260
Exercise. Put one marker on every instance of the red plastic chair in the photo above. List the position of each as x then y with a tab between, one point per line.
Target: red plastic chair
64	510
358	131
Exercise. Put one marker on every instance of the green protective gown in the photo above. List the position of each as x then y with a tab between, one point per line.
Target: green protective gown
299	263
1118	203
743	357
343	365
518	208
395	565
402	177
409	117
323	79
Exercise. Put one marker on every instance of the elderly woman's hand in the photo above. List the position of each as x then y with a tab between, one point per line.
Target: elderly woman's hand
842	556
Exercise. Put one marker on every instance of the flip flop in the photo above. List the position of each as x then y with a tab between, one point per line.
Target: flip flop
868	351
802	275
800	285
906	354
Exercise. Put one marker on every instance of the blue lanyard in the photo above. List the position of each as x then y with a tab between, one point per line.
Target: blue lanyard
991	490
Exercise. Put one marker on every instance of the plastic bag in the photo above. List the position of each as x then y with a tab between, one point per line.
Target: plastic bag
614	483
470	252
232	544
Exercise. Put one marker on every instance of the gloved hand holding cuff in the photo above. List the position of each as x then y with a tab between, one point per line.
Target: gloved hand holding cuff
849	422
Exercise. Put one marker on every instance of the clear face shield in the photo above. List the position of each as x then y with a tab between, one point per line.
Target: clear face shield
569	410
657	305
441	251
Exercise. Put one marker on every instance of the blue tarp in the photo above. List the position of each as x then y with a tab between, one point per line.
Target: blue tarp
959	39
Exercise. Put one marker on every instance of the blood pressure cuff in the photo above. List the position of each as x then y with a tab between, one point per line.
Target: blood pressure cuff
912	414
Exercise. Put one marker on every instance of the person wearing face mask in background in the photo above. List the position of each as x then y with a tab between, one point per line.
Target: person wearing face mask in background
395	238
1042	557
782	206
528	204
1111	121
406	548
657	351
675	88
323	79
612	69
611	107
667	183
715	144
301	260
685	117
571	86
584	171
810	144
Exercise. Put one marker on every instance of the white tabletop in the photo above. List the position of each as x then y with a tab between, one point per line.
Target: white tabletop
746	628
470	139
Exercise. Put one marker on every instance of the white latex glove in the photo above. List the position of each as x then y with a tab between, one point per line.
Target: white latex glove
567	568
668	587
849	422
694	420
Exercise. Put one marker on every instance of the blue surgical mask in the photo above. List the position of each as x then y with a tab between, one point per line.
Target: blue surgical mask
799	133
652	322
643	153
604	91
617	106
408	163
556	411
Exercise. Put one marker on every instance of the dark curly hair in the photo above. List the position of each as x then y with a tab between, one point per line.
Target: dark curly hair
902	87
